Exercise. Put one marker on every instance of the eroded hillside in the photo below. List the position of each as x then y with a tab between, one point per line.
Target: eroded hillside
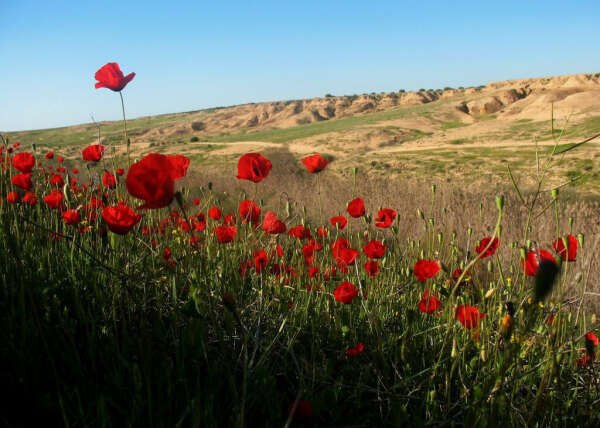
443	134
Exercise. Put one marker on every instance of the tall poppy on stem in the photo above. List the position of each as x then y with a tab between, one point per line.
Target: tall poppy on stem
254	167
110	76
315	163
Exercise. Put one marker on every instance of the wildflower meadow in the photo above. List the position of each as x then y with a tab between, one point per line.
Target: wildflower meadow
131	298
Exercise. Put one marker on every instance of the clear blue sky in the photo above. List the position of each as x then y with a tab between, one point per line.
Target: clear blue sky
192	55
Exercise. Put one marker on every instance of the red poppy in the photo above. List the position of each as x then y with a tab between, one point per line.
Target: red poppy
491	250
279	251
586	360
355	350
345	292
120	219
71	217
93	153
179	165
569	254
339	221
425	269
109	180
303	411
260	259
57	180
271	224
342	253
230	220
54	199
151	179
429	304
120	171
249	211
533	259
322	231
592	339
356	208
337	245
225	234
299	232
12	197
374	249
456	274
313	271
60	159
110	76
468	316
372	268
315	163
23	181
254	167
385	218
49	155
199	222
214	213
30	198
317	246
23	162
347	257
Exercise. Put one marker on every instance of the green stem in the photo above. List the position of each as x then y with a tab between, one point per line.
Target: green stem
125	130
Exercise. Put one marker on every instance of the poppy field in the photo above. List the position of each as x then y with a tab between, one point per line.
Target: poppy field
132	299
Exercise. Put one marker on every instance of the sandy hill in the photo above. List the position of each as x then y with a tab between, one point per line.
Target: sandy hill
435	132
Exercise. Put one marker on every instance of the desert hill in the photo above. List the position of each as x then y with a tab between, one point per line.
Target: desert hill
447	134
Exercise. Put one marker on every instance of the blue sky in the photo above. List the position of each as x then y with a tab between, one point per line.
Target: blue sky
192	55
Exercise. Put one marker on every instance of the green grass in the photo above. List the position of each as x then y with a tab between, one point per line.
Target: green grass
453	124
312	129
100	329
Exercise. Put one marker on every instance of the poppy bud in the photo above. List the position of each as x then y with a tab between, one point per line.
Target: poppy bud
490	266
431	221
433	187
440	237
571	221
453	352
581	239
420	214
500	202
554	194
469	231
523	253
